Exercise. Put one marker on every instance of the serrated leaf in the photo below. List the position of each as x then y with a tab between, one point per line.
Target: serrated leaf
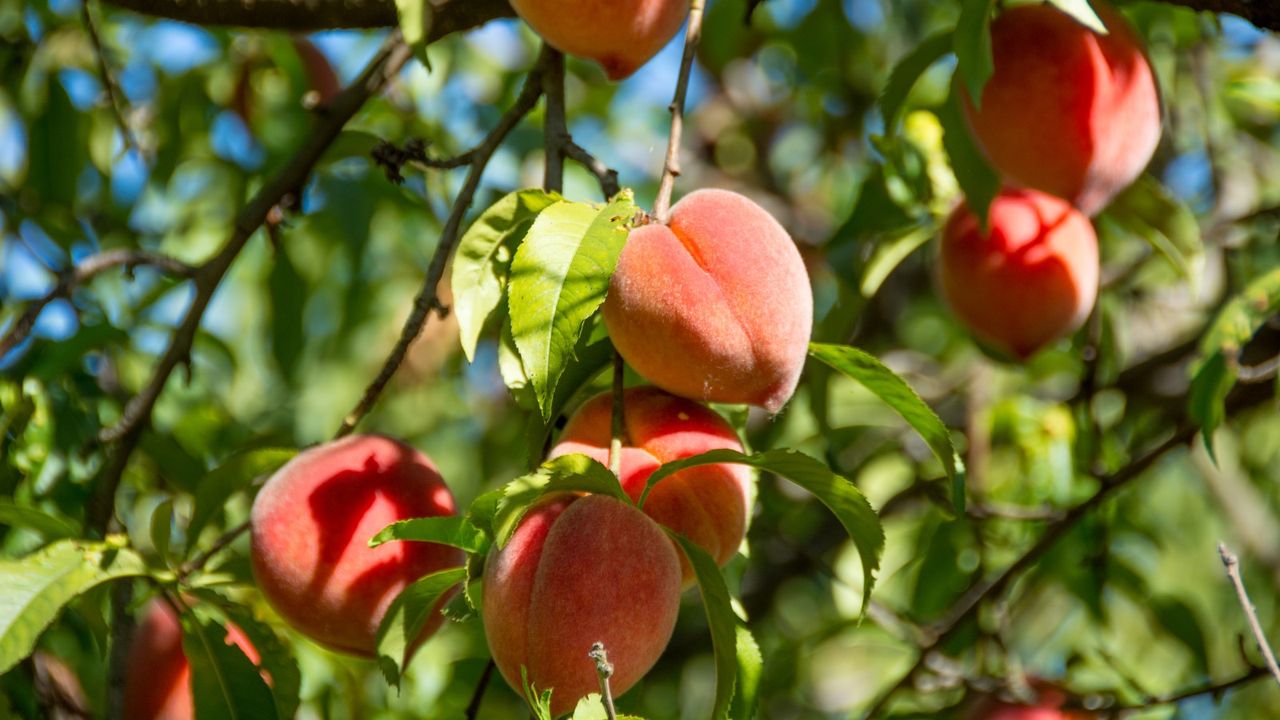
1149	211
746	698
451	530
972	43
721	620
539	701
162	527
907	72
840	495
978	181
483	259
1082	12
407	615
232	476
34	589
23	516
225	684
559	277
276	658
567	473
869	372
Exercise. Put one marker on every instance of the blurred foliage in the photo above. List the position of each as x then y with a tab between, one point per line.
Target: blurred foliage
785	106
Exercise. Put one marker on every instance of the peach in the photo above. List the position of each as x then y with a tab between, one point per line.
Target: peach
580	570
715	306
310	528
158	676
1047	707
1067	111
1030	280
708	504
621	35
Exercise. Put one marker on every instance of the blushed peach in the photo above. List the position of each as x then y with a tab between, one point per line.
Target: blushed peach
715	306
621	35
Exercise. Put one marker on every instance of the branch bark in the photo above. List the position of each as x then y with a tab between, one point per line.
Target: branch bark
451	16
671	166
1232	564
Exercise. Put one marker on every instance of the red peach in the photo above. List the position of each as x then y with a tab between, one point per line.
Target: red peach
158	676
311	525
706	504
715	306
1048	707
1030	280
1068	111
580	570
621	35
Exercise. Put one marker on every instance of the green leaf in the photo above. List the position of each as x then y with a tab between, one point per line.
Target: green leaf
721	620
588	361
978	181
750	670
162	527
840	495
407	615
906	73
1179	620
23	516
416	17
1207	396
567	473
559	277
483	259
34	589
897	394
591	707
225	684
1082	12
288	295
539	702
889	254
451	530
276	657
975	63
1149	211
232	476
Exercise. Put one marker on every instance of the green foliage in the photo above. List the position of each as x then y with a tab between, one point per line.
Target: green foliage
407	615
224	682
567	473
448	530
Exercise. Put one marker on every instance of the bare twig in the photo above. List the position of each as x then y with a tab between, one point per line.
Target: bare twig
618	427
1232	564
114	96
1262	372
555	130
671	167
199	561
477	695
604	670
82	273
605	175
1212	689
428	299
392	159
450	16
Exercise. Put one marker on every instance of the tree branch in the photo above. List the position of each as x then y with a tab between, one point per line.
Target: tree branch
671	166
286	183
428	297
108	80
82	273
555	131
450	16
1211	689
1232	564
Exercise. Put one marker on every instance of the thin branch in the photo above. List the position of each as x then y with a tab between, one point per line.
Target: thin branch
83	272
605	175
199	561
114	96
1232	564
671	167
1262	372
428	299
555	129
618	426
604	671
286	184
1212	689
449	16
477	695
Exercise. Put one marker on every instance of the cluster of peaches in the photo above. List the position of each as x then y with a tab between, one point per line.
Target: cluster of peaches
1069	118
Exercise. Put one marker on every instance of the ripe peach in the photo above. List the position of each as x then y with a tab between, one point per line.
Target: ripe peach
707	504
1031	280
580	570
715	306
311	525
158	676
1068	111
1048	707
621	35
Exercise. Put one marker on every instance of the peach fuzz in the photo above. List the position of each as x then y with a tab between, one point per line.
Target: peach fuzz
715	306
1030	280
708	504
580	570
621	35
311	525
1067	111
158	675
